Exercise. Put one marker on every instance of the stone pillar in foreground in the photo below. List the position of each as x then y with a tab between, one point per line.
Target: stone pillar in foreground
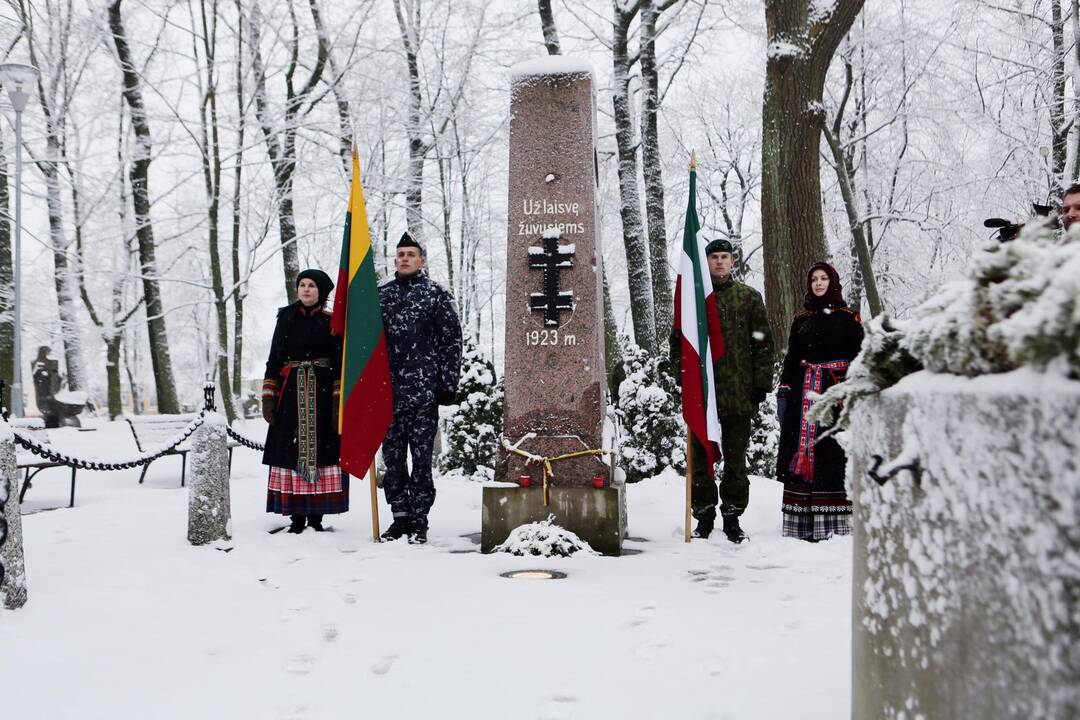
209	512
555	371
966	574
12	563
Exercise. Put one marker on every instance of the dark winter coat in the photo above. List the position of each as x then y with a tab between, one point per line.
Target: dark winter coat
747	363
302	334
423	340
816	337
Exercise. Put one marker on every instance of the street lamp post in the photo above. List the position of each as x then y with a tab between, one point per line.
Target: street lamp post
19	80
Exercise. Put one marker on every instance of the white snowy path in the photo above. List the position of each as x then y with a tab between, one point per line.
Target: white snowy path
126	620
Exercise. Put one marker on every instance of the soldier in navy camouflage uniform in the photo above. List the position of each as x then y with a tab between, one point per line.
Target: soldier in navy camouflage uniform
423	339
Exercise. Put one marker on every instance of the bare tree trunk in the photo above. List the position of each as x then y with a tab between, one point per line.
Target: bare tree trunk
282	152
651	164
637	252
7	278
239	290
1074	17
862	249
55	120
210	138
799	52
1059	131
70	330
547	24
418	149
139	174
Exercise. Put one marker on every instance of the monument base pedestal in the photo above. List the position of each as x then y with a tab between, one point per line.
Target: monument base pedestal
597	516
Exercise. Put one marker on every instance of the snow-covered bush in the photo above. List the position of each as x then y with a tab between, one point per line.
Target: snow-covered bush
1017	306
649	410
473	424
764	440
543	539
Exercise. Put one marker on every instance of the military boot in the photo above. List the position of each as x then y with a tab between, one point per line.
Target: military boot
732	529
297	525
418	531
704	527
398	529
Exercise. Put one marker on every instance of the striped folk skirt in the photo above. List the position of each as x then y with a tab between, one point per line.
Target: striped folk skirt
289	494
814	513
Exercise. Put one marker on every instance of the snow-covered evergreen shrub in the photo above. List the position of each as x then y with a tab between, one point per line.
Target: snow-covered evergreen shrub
764	440
543	539
649	410
473	424
1018	305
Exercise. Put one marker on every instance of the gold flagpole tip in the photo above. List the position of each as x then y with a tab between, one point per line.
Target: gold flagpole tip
693	159
355	152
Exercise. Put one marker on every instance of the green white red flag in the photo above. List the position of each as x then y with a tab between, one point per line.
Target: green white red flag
367	402
702	338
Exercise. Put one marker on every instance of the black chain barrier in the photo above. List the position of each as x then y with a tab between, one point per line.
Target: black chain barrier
5	493
244	441
69	461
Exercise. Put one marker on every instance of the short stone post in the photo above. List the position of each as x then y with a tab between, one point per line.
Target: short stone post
209	514
12	564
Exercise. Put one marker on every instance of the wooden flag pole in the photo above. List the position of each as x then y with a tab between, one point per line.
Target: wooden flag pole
689	432
374	503
689	470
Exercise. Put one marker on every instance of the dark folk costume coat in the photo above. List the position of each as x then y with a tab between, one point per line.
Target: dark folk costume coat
821	344
302	334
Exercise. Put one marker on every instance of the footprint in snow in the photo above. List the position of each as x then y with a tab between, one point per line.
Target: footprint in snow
383	664
558	706
651	649
329	632
643	615
714	579
299	664
349	598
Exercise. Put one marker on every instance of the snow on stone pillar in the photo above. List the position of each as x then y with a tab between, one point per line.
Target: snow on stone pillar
209	515
12	565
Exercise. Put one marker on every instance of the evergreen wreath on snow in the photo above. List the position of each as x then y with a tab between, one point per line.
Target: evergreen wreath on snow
650	412
1017	306
473	424
543	539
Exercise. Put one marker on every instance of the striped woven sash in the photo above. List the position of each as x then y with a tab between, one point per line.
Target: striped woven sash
802	464
306	414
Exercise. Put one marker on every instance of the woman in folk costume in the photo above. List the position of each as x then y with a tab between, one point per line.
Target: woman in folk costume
825	336
300	402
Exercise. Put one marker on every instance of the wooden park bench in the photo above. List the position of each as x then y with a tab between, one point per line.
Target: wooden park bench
153	431
31	464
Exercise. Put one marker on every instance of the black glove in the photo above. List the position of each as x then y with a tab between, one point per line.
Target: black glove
757	396
445	397
268	406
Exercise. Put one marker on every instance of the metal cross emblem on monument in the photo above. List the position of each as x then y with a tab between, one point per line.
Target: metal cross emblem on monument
551	258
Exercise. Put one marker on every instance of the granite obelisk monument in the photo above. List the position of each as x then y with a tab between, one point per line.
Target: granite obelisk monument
553	460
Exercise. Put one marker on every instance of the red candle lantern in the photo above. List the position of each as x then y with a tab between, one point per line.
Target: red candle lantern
525	481
598	481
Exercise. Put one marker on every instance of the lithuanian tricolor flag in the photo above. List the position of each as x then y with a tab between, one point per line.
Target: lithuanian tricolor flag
367	403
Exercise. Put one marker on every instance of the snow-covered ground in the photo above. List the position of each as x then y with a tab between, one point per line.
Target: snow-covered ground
127	620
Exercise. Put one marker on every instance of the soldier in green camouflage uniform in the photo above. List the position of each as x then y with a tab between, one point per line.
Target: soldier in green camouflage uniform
743	378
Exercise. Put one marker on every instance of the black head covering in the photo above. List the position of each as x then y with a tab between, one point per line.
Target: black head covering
407	241
833	297
719	246
321	280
